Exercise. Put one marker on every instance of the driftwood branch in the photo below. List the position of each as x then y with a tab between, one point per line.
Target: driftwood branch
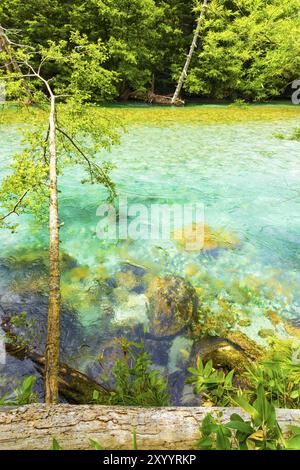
33	427
73	385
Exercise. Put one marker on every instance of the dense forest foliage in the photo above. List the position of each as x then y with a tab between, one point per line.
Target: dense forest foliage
247	48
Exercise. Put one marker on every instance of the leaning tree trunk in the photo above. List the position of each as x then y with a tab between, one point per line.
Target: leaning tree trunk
53	333
190	55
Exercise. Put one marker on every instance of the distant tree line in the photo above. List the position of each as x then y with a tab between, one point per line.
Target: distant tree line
247	49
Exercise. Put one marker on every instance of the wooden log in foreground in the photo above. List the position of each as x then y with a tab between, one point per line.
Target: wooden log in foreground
33	427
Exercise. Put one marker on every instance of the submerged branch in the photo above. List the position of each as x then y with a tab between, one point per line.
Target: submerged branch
73	385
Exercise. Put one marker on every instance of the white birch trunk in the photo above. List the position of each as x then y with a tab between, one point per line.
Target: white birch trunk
190	54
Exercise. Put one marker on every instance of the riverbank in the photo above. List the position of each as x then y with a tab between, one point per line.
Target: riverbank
137	114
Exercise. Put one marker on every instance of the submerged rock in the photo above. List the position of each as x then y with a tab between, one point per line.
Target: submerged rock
266	333
197	237
249	347
274	318
101	368
133	311
225	356
173	305
236	351
30	312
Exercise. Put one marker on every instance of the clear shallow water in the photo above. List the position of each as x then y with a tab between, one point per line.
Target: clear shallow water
249	183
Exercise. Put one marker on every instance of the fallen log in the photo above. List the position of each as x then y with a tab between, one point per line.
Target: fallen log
164	100
33	427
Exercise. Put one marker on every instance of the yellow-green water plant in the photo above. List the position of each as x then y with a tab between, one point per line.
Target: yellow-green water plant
214	386
295	135
22	395
136	383
260	432
279	372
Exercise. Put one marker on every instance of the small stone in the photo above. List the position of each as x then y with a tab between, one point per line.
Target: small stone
266	333
274	318
245	322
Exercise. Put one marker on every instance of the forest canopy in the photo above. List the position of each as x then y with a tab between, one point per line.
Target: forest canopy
248	49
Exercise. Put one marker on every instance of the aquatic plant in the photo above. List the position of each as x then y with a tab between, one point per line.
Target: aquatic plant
213	323
295	135
213	385
95	445
260	432
279	372
55	445
136	382
22	395
26	330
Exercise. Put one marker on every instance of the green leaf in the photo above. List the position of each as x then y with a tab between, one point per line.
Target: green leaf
222	441
228	378
294	443
55	445
243	403
294	429
95	445
209	425
206	443
208	368
240	426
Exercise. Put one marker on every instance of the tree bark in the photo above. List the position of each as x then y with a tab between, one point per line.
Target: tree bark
33	427
53	332
190	54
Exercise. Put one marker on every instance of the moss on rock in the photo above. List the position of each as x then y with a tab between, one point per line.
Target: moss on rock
249	347
173	305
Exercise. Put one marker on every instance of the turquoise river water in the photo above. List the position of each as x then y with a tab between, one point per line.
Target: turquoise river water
249	183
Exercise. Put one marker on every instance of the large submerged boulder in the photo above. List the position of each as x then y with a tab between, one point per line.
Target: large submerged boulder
173	305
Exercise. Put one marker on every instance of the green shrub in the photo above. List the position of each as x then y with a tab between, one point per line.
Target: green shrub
136	382
260	432
23	395
213	385
279	372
